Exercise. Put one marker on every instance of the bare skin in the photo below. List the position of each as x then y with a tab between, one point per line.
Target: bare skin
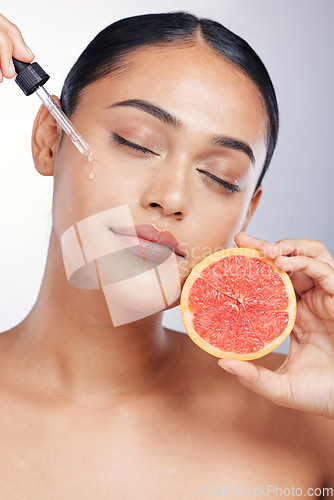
90	410
172	441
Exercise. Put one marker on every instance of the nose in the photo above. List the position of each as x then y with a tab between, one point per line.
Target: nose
169	188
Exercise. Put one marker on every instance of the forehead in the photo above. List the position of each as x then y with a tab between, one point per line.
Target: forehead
192	82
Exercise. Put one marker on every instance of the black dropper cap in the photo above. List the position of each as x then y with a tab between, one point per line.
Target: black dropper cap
30	76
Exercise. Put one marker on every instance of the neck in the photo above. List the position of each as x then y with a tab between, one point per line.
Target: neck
70	340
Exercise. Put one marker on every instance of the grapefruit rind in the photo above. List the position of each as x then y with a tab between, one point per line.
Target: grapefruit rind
187	316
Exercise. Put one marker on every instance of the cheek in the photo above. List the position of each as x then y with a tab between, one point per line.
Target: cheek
76	197
213	227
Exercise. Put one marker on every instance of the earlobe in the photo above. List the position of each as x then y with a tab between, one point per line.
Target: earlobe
252	207
45	139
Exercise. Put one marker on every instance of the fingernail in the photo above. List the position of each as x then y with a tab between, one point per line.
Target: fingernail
29	50
227	369
1	78
11	67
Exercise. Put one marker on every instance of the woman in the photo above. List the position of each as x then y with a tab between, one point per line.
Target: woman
182	117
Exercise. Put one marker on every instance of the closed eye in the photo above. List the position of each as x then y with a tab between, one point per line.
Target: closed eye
233	188
120	140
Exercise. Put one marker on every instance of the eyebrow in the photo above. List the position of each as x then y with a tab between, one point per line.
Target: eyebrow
150	108
164	116
228	142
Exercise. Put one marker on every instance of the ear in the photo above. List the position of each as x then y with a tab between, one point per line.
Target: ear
252	207
46	135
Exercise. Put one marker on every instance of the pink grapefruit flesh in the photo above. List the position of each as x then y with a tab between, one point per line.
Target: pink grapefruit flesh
237	304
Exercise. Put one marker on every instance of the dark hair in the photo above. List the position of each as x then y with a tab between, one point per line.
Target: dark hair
107	50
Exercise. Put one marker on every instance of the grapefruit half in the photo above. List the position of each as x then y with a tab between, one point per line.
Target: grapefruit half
238	304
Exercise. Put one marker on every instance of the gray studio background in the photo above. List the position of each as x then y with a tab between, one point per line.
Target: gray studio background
294	38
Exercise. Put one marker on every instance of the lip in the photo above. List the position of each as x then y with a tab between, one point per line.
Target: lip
150	232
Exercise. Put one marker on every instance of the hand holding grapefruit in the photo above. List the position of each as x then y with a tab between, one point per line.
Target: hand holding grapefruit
238	304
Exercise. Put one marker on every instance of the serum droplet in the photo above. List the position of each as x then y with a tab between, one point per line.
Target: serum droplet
91	174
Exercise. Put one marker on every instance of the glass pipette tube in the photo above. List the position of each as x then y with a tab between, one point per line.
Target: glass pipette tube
65	123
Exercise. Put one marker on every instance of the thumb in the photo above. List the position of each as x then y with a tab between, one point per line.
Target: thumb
257	378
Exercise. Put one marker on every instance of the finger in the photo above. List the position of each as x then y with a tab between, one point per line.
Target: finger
15	35
21	51
321	272
301	282
264	382
309	248
243	239
312	248
6	52
12	45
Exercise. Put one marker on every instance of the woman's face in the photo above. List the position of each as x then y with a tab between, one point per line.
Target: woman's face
218	128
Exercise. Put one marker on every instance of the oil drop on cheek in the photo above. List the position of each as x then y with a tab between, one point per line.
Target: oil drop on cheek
92	172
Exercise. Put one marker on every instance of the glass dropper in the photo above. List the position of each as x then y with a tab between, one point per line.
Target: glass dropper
31	78
65	123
